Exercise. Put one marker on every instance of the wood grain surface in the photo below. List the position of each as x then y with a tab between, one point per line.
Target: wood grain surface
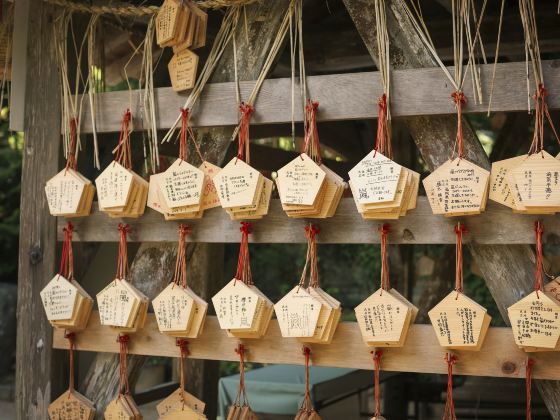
499	356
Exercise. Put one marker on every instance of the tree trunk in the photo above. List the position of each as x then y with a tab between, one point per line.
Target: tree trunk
508	270
154	264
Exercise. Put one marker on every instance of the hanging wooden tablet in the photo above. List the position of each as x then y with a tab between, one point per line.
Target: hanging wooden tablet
307	188
382	189
306	410
120	191
240	409
67	305
167	22
385	317
309	313
535	319
242	309
69	193
120	304
182	70
180	404
179	311
242	190
71	405
123	406
184	191
458	321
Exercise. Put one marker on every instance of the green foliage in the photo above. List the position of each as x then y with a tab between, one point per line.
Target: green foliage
11	146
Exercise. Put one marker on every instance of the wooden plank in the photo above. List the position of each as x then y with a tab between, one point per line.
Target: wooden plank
341	96
39	369
499	356
497	225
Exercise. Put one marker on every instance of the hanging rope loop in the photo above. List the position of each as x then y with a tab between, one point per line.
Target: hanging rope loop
460	230
311	143
377	355
243	272
385	279
246	111
72	161
71	337
124	153
180	275
538	257
66	269
122	258
123	340
460	101
449	412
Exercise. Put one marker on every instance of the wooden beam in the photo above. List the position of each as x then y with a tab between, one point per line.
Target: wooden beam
39	369
342	97
497	225
499	356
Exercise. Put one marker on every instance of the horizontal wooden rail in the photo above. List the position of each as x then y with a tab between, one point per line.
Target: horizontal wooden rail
342	97
498	357
498	225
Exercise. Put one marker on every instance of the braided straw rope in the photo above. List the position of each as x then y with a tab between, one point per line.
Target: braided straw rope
124	10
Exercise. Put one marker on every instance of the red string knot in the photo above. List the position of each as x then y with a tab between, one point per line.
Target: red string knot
70	336
312	230
69	228
123	339
451	359
541	92
246	228
530	363
183	346
382	102
377	354
246	110
306	351
185	113
184	229
312	105
459	98
384	229
240	350
460	229
127	116
124	228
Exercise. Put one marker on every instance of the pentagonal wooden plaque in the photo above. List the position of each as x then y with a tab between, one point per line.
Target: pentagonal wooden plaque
154	201
237	184
180	396
113	186
383	319
166	22
538	180
173	308
459	322
119	409
116	303
535	321
235	305
182	70
463	186
297	313
500	190
301	181
375	178
59	298
210	197
71	406
181	184
64	192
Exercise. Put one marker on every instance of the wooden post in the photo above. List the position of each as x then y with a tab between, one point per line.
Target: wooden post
508	270
38	367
